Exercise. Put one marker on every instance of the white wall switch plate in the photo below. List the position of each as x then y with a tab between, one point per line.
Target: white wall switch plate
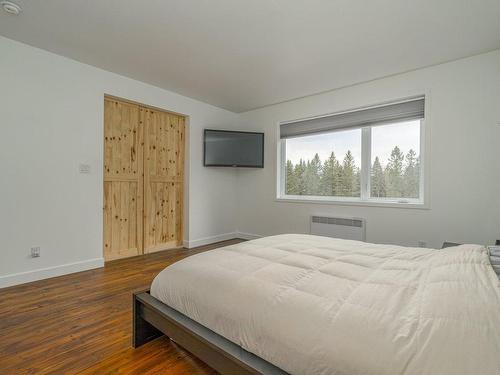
84	168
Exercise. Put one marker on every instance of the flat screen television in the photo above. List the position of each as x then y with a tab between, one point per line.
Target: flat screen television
226	148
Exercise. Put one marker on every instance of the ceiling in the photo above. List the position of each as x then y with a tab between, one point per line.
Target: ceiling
245	54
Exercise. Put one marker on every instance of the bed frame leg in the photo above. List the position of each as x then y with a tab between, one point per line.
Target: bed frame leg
142	331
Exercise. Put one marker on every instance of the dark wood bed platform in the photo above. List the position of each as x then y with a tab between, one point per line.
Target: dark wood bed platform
152	319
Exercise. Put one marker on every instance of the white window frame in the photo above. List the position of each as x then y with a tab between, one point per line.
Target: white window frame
364	200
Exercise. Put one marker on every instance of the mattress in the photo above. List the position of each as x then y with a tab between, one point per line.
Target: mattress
317	305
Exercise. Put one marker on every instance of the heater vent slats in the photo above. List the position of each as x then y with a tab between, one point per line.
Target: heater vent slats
338	227
338	221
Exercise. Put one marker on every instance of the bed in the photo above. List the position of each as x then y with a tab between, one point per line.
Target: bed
302	304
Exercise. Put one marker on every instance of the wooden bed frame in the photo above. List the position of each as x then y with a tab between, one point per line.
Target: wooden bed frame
152	319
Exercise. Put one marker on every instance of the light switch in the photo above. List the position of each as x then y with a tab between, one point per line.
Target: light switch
84	168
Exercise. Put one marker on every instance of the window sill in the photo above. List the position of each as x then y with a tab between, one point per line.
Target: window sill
350	202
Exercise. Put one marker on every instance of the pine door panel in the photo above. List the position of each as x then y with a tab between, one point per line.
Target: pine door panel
123	180
163	179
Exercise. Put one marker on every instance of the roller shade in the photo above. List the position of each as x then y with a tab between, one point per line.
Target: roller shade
403	111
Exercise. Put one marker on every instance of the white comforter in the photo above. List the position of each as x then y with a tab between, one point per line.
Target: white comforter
317	305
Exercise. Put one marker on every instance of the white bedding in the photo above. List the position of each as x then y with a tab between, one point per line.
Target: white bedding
317	305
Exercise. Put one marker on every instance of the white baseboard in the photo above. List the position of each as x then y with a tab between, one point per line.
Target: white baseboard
218	238
209	240
247	236
64	269
45	273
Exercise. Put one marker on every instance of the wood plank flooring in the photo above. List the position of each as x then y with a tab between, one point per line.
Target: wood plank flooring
81	323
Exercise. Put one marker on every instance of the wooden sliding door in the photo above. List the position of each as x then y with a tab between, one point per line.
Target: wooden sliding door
143	179
163	179
123	187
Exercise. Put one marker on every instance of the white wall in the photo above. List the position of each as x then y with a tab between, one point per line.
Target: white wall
51	118
464	168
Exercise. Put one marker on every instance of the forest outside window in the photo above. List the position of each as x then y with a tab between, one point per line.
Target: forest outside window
371	155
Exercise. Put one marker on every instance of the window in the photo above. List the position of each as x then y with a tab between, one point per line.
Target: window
395	160
324	164
371	155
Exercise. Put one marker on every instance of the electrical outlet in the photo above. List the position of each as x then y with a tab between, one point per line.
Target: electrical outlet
35	252
422	244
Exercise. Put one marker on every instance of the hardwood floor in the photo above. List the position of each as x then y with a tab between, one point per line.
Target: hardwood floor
81	323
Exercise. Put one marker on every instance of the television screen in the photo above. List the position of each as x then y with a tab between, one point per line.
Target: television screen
224	148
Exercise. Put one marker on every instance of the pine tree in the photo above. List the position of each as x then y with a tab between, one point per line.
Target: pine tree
348	176
299	172
291	179
356	187
338	178
417	171
312	176
377	180
411	175
329	174
331	178
394	174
